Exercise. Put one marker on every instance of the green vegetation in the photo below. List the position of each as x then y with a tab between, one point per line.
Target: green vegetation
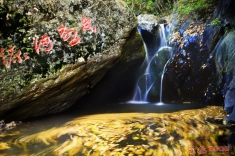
141	6
186	7
155	7
216	22
198	8
227	65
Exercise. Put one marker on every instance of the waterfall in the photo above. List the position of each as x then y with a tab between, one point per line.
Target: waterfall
163	72
155	45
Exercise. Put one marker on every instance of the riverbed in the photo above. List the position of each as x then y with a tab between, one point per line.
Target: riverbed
124	130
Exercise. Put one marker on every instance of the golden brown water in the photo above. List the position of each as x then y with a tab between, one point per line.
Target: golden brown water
184	132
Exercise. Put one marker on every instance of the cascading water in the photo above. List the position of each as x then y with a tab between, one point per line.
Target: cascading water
163	72
157	57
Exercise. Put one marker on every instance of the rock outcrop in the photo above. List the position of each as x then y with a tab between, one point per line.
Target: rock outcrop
224	52
202	70
53	52
192	69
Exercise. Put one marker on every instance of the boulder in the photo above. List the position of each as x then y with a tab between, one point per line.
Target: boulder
53	52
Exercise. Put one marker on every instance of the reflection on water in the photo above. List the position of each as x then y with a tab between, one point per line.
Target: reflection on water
138	102
176	133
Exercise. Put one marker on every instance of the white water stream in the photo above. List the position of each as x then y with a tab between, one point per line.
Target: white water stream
145	81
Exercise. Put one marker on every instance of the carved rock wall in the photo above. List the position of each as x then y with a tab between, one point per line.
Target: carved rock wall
53	52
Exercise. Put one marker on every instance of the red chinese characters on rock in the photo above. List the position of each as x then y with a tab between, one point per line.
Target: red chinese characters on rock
86	25
44	42
13	56
69	34
26	57
72	34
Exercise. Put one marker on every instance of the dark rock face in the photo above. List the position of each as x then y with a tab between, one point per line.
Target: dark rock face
202	70
225	11
192	68
224	51
54	52
118	83
224	54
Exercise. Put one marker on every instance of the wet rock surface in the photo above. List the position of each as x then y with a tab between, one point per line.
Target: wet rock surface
8	126
224	56
223	52
157	65
192	69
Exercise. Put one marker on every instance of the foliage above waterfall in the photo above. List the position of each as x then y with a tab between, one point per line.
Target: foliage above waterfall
150	6
163	7
140	6
195	7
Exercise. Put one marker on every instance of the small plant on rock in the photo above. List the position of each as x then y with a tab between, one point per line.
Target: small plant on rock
216	22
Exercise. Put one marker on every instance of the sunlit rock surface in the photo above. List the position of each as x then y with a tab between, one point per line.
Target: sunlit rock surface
149	23
53	52
186	132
